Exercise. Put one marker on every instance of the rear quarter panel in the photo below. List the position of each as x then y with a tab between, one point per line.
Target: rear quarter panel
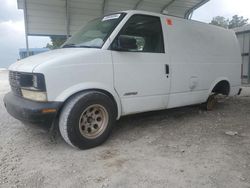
202	53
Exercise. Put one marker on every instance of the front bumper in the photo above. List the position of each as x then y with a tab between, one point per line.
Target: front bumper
31	111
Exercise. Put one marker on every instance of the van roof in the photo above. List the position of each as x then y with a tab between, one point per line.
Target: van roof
144	12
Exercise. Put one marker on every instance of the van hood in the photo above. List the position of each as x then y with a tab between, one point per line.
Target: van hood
30	63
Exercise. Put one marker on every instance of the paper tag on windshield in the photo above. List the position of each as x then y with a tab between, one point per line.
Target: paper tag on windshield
111	17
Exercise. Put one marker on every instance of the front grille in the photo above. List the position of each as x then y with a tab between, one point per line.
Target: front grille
14	79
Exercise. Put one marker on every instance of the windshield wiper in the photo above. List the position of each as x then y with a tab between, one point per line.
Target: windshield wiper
78	46
87	46
69	46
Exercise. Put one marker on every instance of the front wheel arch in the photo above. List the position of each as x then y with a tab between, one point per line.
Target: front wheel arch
117	114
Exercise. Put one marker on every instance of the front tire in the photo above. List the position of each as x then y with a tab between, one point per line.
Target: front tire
87	119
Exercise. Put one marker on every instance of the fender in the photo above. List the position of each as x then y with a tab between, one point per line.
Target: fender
88	86
216	82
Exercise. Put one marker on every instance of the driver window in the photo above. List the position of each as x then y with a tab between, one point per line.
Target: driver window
146	31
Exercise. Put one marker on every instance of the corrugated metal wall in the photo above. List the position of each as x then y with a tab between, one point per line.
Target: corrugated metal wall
243	35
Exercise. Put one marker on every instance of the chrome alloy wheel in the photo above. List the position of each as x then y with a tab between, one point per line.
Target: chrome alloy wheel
93	121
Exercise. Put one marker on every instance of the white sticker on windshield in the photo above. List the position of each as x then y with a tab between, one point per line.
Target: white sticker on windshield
111	17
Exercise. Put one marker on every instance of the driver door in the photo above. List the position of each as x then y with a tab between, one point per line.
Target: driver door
141	70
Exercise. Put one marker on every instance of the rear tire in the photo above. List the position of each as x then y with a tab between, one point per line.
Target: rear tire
87	119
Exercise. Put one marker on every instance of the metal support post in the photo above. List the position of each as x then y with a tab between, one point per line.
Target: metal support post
248	76
26	27
67	18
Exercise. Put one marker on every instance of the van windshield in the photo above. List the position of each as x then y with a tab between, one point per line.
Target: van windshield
95	33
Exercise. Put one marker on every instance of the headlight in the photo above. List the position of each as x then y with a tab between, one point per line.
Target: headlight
33	81
33	86
34	95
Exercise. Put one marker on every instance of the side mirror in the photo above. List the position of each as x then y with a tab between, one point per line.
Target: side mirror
125	43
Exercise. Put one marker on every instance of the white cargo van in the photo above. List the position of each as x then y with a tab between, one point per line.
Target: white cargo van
123	63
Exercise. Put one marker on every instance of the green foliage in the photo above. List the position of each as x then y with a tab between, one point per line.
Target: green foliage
56	42
220	21
235	21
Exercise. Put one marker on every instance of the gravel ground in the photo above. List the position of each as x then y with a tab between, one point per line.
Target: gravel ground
183	147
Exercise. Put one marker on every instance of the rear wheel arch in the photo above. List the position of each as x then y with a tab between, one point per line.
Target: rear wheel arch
222	87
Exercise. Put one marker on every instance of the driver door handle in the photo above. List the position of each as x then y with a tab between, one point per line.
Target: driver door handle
167	69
